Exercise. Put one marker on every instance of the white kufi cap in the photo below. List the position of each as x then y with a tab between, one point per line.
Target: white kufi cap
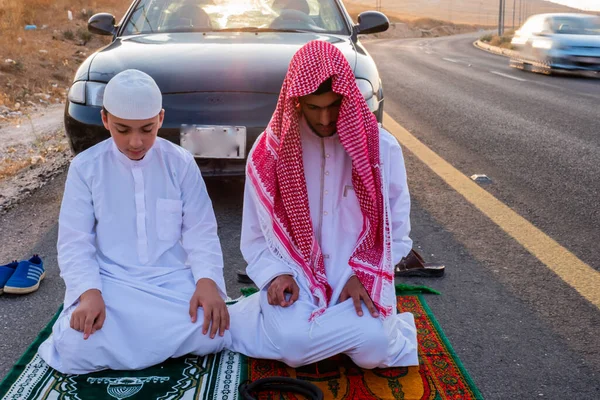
132	94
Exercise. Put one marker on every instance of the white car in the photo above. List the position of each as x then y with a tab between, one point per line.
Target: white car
549	42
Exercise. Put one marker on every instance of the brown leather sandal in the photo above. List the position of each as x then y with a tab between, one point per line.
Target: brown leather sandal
242	277
414	265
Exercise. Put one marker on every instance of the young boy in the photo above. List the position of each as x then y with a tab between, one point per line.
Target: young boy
137	246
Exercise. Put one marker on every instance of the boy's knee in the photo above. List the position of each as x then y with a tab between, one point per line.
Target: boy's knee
75	354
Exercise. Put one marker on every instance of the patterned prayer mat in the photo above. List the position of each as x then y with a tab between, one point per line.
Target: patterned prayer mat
440	374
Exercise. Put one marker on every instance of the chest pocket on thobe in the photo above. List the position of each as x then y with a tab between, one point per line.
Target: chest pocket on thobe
350	213
169	217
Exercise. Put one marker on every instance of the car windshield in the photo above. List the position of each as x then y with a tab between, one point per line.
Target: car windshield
576	26
169	16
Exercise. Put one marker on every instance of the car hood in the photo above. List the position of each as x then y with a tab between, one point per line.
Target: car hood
207	62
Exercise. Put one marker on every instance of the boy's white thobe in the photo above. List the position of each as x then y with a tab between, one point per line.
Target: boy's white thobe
264	331
143	233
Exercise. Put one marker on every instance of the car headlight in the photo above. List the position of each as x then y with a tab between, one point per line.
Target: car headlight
94	93
77	93
542	44
89	93
365	88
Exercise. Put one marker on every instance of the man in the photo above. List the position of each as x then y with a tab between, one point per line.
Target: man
326	217
137	246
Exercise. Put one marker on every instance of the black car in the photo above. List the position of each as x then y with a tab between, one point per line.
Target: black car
219	64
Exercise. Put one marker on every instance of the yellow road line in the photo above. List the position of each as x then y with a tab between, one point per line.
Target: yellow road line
558	259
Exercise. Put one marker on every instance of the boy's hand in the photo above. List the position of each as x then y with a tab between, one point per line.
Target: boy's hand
215	311
279	287
90	314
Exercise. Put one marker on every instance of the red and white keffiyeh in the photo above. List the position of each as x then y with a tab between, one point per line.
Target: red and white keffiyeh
276	173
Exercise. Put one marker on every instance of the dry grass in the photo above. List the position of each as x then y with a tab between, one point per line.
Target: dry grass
15	159
500	41
10	167
15	14
44	60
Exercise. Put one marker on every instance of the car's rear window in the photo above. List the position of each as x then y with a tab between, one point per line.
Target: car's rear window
576	26
169	16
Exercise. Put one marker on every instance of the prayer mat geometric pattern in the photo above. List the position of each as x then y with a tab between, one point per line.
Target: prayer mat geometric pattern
440	374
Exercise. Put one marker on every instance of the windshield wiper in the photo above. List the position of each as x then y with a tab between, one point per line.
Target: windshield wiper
188	30
257	29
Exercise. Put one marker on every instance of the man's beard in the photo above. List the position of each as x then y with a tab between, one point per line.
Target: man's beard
316	132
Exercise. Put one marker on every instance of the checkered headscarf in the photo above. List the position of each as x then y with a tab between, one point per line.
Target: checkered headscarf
276	173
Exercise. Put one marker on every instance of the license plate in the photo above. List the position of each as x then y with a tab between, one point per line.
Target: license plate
214	141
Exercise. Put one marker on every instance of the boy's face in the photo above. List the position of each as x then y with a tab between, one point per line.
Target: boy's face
321	112
133	137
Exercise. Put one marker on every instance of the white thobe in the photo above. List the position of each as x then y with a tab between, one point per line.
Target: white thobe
143	233
284	333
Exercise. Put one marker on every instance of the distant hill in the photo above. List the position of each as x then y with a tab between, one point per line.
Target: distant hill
479	12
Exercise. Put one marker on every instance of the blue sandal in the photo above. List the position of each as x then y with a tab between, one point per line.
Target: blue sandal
6	271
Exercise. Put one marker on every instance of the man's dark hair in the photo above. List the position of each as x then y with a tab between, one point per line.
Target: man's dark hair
105	111
325	87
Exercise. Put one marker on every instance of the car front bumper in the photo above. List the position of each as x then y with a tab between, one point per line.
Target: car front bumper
84	128
575	60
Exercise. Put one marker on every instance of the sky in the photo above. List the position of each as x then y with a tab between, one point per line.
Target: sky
591	5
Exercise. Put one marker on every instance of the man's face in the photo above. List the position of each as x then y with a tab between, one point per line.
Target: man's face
321	112
133	137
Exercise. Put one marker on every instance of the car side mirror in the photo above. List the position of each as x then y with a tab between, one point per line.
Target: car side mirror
372	22
102	24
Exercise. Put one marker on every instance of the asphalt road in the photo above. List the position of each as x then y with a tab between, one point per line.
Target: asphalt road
535	136
521	332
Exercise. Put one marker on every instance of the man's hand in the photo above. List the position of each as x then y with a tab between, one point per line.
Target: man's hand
279	287
355	290
90	314
215	310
